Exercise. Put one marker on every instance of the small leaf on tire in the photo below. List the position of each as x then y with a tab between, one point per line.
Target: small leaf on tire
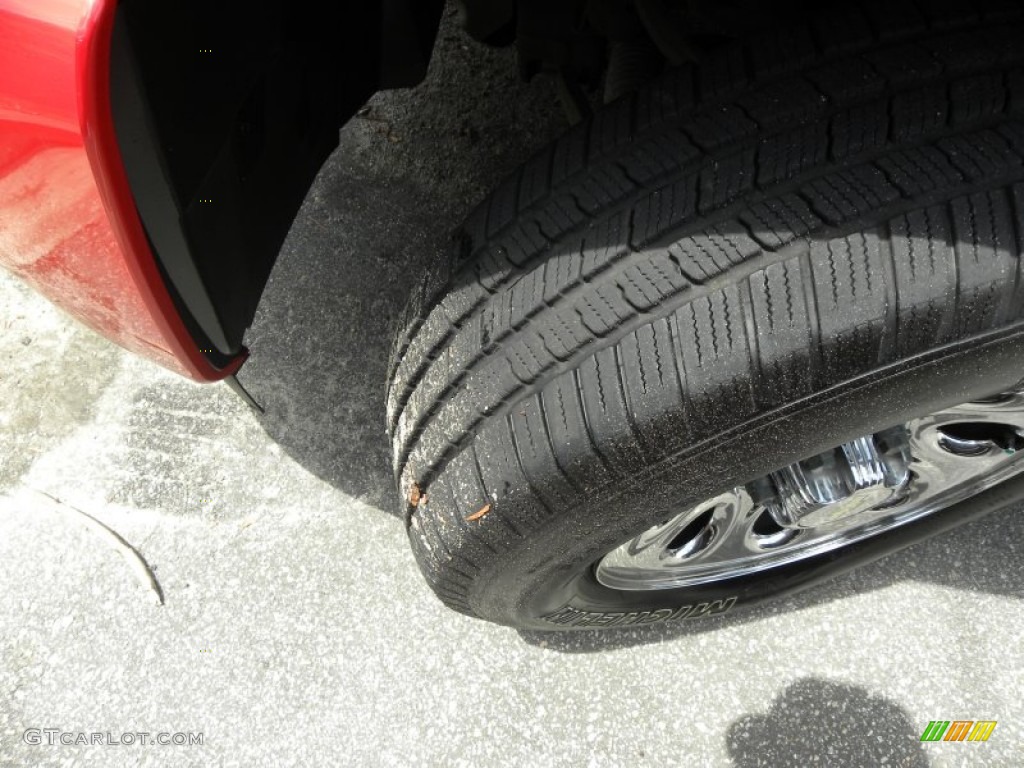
479	513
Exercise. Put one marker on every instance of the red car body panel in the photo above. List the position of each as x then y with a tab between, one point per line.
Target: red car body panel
68	222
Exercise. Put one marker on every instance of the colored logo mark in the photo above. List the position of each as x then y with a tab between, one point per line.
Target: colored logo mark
958	730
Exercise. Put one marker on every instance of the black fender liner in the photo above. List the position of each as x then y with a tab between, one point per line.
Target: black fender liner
225	113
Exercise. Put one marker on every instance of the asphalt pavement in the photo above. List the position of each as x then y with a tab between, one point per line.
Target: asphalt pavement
295	628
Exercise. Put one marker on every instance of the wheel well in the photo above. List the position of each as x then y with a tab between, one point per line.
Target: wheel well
224	114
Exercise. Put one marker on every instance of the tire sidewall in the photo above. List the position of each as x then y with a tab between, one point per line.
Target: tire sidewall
550	584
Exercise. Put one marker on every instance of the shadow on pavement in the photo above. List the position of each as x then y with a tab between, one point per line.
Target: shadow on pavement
321	339
407	172
824	722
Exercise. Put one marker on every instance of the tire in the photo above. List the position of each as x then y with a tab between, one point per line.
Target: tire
813	235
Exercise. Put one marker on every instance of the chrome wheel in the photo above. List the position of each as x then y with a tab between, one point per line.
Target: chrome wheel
859	489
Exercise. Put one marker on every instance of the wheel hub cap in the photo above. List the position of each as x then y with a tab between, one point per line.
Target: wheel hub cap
852	479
